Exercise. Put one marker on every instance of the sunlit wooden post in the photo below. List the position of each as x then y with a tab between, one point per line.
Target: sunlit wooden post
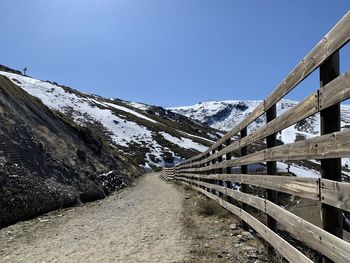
332	220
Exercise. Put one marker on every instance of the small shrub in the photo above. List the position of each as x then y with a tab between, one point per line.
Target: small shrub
187	187
189	223
208	207
177	182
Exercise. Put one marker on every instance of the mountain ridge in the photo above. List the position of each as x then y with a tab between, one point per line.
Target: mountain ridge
150	136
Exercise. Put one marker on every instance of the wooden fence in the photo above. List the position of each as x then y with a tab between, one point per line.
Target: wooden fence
210	171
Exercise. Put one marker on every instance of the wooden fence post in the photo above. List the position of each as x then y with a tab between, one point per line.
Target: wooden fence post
211	171
201	165
271	169
208	172
220	182
244	170
332	220
228	171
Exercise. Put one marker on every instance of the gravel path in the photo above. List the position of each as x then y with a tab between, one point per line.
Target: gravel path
138	224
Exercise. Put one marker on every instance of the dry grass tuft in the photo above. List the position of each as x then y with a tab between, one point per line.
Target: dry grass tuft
187	187
207	207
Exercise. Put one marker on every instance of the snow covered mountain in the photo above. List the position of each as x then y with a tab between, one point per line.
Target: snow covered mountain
225	115
149	136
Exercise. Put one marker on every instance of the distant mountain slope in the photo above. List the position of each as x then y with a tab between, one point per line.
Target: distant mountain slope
48	162
149	136
225	115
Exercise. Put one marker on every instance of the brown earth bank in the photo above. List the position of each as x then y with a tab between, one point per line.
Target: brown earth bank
154	221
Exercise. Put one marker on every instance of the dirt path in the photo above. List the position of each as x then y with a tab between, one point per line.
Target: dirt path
138	224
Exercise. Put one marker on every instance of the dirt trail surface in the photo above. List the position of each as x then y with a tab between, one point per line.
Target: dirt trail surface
138	224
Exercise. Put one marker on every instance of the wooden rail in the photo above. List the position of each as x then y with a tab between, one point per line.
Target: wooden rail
210	171
168	173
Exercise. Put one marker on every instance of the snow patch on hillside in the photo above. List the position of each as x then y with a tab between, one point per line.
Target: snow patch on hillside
183	142
198	137
137	105
129	111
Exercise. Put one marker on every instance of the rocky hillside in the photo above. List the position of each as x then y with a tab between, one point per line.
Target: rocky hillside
48	162
149	136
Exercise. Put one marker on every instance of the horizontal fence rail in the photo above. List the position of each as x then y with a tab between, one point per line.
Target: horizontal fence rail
210	172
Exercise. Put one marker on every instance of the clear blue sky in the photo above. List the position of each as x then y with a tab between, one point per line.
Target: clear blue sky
167	52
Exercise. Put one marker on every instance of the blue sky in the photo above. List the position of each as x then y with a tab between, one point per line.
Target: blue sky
167	52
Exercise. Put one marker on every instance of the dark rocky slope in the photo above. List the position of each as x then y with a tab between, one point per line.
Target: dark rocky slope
48	162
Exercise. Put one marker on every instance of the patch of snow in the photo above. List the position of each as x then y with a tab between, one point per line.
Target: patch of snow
184	142
137	105
108	173
299	171
195	136
129	111
345	162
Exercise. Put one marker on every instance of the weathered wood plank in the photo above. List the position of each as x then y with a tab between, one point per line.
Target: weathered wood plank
329	192
315	237
335	91
333	145
329	245
336	194
282	246
298	186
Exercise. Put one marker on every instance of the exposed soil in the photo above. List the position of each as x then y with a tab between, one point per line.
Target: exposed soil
137	224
